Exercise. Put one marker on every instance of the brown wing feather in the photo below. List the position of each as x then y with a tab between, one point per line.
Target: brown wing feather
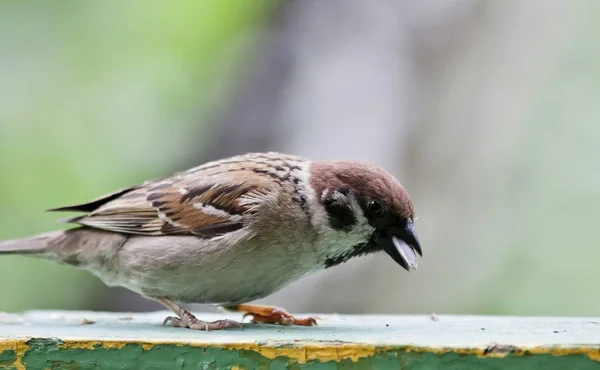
206	201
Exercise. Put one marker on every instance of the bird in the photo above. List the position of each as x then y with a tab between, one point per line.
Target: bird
234	230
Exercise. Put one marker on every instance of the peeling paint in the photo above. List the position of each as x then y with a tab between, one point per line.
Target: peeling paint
593	353
25	353
18	348
57	340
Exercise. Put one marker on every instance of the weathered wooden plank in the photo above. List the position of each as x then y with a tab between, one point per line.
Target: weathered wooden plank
92	340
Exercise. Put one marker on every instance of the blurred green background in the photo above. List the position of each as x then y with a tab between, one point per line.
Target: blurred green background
487	112
96	96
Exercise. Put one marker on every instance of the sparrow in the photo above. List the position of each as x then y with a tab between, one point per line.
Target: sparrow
234	230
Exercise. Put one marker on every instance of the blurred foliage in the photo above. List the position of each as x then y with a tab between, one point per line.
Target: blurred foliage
90	94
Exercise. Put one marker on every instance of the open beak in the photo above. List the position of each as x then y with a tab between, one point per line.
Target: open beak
402	244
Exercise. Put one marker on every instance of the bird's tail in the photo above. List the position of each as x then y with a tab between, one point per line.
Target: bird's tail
77	247
32	245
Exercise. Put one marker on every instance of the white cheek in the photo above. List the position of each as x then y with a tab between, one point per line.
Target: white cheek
342	241
338	242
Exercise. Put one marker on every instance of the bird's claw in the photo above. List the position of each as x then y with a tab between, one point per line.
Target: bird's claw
195	324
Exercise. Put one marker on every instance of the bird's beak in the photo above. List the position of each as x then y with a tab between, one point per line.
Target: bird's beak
402	244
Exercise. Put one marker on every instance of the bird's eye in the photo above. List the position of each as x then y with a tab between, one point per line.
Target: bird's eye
374	208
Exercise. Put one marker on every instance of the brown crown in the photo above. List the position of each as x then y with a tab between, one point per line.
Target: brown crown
365	179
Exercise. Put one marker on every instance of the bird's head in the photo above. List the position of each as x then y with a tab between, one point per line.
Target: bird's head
368	205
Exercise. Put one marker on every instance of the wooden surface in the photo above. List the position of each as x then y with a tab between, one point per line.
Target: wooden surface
92	340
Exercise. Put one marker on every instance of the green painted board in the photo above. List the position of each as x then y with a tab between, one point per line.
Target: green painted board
96	340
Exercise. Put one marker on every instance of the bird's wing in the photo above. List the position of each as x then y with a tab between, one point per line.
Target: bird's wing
206	201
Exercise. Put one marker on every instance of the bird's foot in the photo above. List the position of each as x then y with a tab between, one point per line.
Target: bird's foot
187	320
272	315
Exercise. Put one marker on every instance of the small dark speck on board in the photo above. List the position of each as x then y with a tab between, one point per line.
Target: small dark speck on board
499	348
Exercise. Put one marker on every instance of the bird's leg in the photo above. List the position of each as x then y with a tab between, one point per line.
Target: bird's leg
271	315
185	319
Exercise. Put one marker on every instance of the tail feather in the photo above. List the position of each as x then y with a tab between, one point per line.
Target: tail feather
77	247
31	245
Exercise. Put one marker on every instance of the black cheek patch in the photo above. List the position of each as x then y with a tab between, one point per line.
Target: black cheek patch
340	216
